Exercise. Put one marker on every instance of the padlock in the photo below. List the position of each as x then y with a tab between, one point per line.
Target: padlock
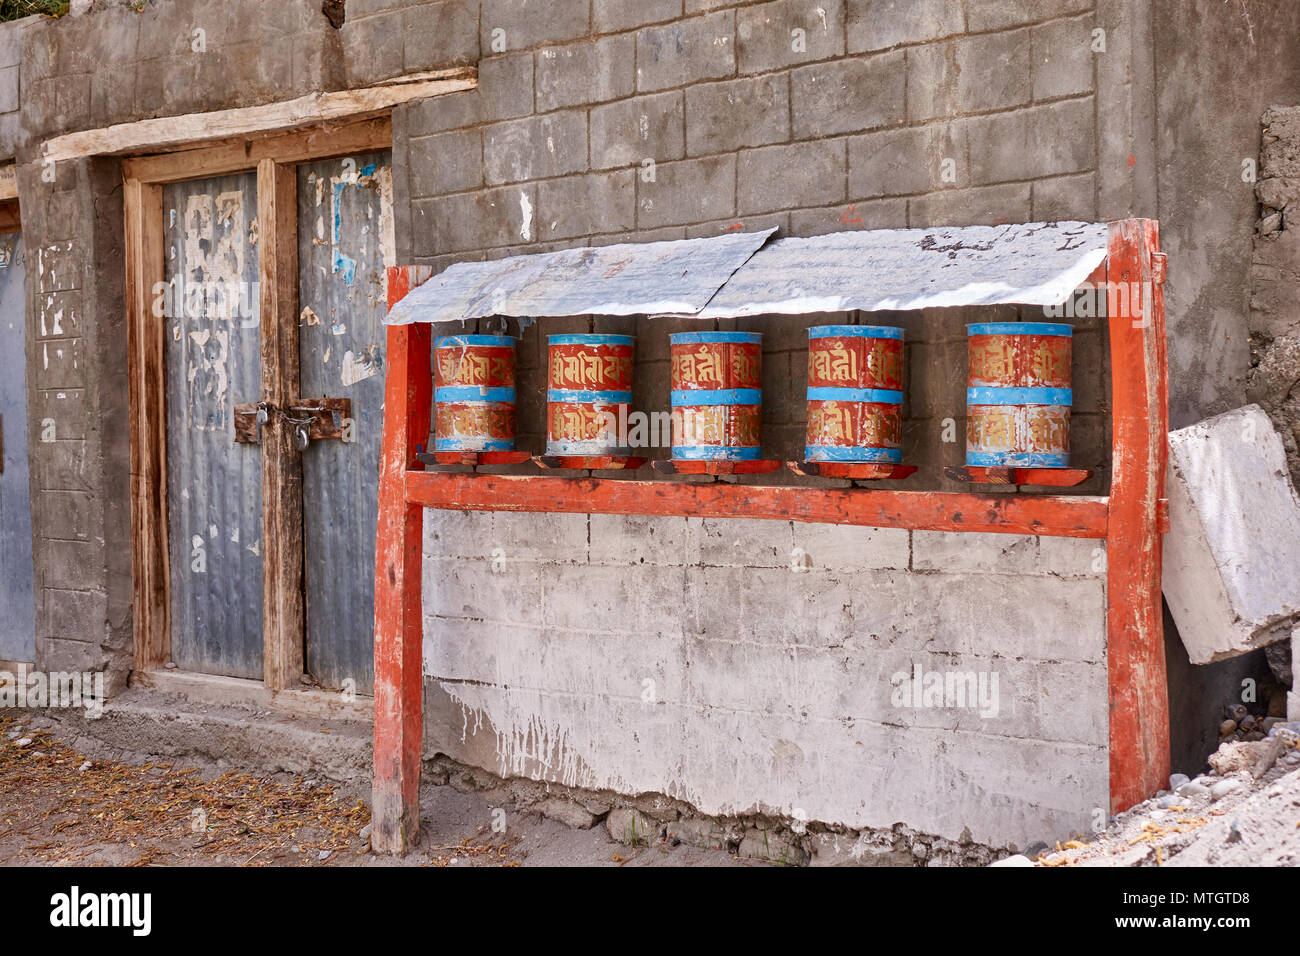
262	416
300	437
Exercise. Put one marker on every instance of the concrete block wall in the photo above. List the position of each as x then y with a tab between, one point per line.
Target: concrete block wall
815	118
77	399
748	666
11	52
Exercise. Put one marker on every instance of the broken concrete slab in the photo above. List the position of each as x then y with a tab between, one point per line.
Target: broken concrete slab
1232	554
1293	695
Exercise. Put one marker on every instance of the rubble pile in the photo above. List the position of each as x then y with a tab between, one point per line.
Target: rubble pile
1245	811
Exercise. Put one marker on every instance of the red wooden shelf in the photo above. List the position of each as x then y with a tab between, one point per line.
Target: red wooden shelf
1047	477
592	462
864	470
474	457
671	466
1074	516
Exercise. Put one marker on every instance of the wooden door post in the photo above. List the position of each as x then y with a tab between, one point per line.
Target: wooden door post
282	602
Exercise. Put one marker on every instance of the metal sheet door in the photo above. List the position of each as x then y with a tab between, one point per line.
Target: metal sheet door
214	486
17	591
344	228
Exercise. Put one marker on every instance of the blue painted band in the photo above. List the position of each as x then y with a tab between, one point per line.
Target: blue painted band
857	453
587	338
1019	328
1012	459
717	396
470	444
716	452
473	393
855	331
588	398
885	396
695	338
1018	396
460	341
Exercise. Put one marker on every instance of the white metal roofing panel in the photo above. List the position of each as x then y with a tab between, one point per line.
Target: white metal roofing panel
898	269
678	276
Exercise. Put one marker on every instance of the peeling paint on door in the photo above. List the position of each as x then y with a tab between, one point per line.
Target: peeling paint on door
342	295
214	486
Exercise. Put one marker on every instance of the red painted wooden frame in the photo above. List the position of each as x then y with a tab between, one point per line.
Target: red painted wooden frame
1128	519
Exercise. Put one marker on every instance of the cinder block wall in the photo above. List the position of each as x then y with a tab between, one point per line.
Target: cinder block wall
706	659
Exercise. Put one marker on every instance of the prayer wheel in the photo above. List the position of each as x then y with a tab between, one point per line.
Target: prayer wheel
1018	395
855	394
474	393
588	394
717	398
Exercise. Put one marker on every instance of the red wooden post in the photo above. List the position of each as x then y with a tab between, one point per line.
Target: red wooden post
408	399
1135	653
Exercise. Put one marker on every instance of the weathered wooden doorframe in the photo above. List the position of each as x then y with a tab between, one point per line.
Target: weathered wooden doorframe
274	158
10	221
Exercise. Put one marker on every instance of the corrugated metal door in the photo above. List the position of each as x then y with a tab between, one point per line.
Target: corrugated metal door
343	230
214	486
17	594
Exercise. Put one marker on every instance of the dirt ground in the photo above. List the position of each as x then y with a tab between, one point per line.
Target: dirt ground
59	807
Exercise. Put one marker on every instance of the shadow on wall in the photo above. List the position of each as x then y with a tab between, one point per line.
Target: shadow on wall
1198	695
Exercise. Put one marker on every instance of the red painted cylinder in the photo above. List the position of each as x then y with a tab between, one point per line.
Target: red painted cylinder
855	393
589	391
717	397
1018	395
474	393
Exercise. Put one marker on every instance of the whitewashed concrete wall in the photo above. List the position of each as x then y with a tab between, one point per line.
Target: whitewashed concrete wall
687	657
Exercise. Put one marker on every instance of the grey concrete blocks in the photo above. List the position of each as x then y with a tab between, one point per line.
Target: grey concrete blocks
688	191
520	24
770	36
535	147
784	177
880	24
1232	554
589	72
725	116
846	96
634	130
685	52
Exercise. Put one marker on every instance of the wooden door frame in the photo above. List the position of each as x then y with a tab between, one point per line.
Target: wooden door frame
274	158
11	221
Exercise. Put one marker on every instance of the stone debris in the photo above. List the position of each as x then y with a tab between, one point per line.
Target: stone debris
1246	811
631	828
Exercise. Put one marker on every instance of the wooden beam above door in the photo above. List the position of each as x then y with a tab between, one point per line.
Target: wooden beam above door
220	159
203	129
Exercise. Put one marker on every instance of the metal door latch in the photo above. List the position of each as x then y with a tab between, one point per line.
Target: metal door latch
311	419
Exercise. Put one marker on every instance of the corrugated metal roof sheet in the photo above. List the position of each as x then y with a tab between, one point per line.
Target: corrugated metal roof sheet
679	276
899	269
738	275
